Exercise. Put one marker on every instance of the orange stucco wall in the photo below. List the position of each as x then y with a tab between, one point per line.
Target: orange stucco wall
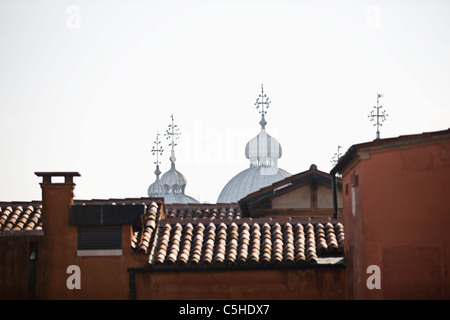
401	221
100	277
287	284
15	266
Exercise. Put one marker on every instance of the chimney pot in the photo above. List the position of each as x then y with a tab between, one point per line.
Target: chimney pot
47	176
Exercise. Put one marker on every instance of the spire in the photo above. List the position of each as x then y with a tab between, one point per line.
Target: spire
156	189
173	181
383	115
264	102
158	151
172	132
263	150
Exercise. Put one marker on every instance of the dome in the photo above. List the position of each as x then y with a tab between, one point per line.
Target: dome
155	189
250	180
173	181
178	198
172	184
263	151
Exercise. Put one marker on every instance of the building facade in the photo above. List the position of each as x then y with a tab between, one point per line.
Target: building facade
396	209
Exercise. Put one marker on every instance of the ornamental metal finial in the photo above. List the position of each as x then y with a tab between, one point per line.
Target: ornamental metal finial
173	133
336	156
158	150
383	115
264	102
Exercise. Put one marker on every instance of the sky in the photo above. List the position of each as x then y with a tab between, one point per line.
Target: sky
86	85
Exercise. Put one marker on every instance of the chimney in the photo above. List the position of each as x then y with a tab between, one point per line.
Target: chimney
58	248
56	200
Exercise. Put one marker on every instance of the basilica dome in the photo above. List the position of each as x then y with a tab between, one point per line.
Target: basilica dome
250	180
263	151
172	184
156	189
173	181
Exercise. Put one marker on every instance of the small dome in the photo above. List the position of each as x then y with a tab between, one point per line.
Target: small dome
263	150
172	184
250	180
156	189
173	181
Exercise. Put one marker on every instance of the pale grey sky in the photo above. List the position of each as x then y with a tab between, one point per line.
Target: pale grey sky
85	85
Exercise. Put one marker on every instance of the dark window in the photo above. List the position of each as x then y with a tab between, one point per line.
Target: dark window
99	237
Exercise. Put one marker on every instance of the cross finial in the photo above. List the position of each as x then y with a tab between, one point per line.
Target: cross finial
336	156
173	133
383	115
263	103
158	151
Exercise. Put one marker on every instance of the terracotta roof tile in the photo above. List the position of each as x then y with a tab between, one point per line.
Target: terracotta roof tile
207	235
222	211
237	242
142	237
23	216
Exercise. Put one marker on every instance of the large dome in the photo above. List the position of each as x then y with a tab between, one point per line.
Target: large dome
250	180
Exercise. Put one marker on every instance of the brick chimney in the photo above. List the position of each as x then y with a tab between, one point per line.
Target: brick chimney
60	239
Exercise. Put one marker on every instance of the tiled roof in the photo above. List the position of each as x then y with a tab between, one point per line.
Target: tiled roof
245	241
20	216
207	235
218	211
142	236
